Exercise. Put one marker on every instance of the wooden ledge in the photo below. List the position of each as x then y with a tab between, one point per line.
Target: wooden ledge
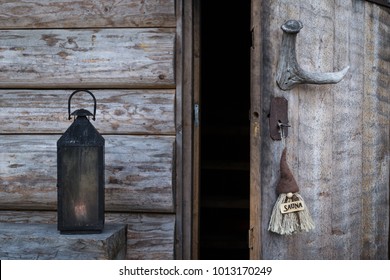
43	241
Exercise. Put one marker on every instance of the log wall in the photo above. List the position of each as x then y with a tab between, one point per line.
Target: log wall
124	51
338	145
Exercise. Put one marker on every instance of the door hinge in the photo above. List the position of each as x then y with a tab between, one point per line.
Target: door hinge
252	38
251	238
196	115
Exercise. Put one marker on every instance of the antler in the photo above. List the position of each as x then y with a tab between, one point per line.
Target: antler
289	73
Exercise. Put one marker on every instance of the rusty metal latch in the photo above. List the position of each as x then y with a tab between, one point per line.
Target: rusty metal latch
278	118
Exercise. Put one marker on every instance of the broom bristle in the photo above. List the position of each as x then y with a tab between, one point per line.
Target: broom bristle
289	223
305	221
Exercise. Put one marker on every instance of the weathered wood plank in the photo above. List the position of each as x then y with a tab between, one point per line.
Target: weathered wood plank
271	150
182	250
138	173
256	100
74	58
315	131
376	123
118	111
339	141
44	242
347	135
87	14
149	236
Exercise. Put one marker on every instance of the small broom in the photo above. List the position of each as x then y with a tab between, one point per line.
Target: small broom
289	214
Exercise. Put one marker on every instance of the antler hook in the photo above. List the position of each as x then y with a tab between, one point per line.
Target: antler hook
289	73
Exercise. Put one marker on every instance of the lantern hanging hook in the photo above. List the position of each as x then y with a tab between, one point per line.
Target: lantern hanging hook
94	100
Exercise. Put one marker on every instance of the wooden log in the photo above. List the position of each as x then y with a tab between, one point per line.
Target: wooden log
118	111
149	236
138	173
76	58
87	14
44	242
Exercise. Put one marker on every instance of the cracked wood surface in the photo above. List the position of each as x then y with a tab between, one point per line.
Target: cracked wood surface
81	58
149	236
118	111
138	173
87	14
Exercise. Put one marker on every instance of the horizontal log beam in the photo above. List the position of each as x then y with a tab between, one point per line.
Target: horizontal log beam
44	242
87	14
138	173
149	236
118	111
76	58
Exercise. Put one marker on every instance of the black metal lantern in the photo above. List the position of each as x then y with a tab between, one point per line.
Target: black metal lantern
80	174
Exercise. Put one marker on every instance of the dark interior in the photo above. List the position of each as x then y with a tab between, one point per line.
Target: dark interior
225	104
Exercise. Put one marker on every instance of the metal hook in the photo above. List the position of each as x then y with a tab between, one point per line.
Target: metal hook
282	131
282	125
289	73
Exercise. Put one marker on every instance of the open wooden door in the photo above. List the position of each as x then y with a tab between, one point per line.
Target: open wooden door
336	157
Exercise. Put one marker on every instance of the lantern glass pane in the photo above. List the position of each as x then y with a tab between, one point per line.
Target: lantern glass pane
80	178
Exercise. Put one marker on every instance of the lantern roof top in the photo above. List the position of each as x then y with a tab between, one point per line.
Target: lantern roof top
81	133
81	112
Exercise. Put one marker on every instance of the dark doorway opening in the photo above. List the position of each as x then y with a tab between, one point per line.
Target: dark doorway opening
225	102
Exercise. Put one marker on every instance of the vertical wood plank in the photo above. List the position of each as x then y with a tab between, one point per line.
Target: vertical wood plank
187	126
275	246
197	144
180	153
375	196
255	226
315	130
347	128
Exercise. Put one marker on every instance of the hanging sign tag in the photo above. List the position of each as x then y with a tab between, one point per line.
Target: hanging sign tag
293	206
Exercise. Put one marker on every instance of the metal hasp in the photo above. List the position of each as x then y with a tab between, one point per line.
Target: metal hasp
289	73
278	118
80	175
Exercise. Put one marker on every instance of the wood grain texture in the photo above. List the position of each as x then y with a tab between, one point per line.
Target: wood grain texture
75	58
44	242
118	111
346	227
149	236
87	14
338	146
376	124
256	206
138	175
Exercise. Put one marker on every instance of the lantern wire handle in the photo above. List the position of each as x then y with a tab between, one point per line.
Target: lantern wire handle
94	100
